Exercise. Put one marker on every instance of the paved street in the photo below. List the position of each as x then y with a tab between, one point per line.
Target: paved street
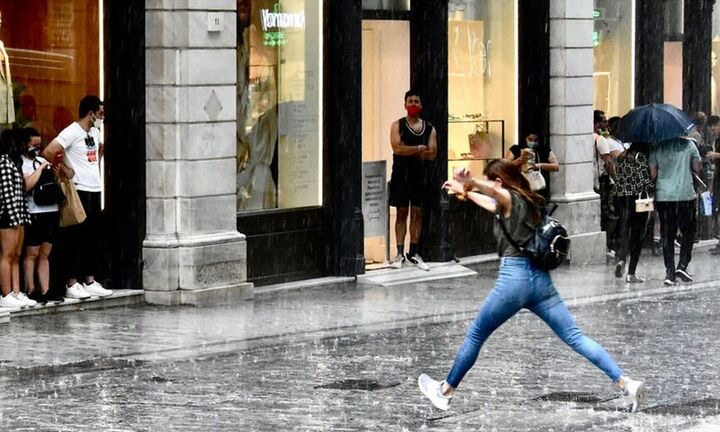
347	358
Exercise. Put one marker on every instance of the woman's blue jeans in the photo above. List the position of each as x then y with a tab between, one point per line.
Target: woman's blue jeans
521	285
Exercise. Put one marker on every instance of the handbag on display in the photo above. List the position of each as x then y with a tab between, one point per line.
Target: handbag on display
479	142
643	205
47	191
72	211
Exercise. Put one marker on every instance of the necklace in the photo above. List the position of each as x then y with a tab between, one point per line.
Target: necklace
412	129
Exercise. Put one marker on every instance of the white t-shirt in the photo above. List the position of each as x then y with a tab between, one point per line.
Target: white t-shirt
615	145
28	168
602	148
82	156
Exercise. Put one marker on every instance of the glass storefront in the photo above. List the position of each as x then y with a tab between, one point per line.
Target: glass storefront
52	57
715	55
614	42
482	81
279	104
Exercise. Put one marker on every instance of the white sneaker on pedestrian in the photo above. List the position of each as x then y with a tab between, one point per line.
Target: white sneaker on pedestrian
76	291
399	261
418	262
631	278
433	390
636	391
24	298
96	289
10	301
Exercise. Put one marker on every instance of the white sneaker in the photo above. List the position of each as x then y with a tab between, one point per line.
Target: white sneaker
96	289
399	261
432	390
419	263
24	298
636	391
10	301
76	291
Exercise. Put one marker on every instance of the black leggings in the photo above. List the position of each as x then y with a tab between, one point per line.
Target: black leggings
631	227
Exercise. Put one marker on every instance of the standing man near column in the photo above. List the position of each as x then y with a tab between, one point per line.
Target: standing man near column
80	143
413	141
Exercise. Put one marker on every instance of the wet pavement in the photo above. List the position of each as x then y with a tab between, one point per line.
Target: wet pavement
346	358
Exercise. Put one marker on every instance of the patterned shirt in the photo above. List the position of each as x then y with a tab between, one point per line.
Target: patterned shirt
632	175
13	204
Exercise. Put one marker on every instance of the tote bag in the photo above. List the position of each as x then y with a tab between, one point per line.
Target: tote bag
72	211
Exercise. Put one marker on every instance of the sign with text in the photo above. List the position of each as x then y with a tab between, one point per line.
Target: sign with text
374	198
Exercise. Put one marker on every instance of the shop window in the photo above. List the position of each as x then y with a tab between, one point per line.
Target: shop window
398	5
614	42
279	104
715	68
482	81
52	51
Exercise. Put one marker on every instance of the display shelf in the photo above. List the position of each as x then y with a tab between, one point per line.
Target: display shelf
473	142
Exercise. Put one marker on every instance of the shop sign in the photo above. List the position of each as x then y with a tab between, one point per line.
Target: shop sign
274	22
374	198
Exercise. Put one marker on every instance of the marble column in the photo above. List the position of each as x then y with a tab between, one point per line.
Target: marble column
571	99
192	252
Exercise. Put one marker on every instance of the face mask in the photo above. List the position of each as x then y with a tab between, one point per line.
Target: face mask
98	122
532	144
413	110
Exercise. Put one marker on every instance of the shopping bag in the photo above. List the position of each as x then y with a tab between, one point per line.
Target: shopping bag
72	211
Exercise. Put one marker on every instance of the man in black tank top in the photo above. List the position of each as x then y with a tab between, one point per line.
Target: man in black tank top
414	141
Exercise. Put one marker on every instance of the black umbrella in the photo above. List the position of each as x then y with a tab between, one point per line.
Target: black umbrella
653	123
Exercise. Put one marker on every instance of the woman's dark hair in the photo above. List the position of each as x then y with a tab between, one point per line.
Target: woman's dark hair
10	145
640	147
512	179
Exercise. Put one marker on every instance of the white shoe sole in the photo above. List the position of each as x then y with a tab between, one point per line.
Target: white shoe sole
639	398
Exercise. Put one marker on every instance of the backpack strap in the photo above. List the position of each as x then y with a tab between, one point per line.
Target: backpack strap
509	238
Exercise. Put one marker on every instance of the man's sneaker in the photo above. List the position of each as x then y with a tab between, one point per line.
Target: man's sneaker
631	278
76	291
684	275
419	263
399	261
96	289
432	390
636	391
669	280
619	269
24	298
10	301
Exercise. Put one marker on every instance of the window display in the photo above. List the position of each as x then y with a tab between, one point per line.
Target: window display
50	57
482	81
279	104
614	41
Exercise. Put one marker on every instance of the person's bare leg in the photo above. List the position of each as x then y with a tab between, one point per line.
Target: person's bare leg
416	215
8	240
401	225
43	267
29	263
15	259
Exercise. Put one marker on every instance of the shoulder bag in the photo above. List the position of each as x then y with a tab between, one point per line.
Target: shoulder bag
549	244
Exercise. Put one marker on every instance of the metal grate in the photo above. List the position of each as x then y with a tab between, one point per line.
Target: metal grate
357	384
579	397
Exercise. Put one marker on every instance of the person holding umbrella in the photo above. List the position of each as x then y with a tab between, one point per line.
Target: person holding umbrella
673	159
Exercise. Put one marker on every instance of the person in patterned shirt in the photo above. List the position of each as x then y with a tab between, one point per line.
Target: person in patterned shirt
632	180
13	217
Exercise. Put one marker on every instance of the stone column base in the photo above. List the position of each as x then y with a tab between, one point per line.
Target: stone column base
580	214
199	270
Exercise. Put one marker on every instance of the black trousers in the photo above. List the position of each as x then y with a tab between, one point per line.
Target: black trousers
608	216
631	228
674	216
81	243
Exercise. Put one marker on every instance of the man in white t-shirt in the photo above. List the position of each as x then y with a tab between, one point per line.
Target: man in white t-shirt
80	144
604	167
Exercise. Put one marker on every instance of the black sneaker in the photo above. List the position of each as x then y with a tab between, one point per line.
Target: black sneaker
619	269
669	280
684	275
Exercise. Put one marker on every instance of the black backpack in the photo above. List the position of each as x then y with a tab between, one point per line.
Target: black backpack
47	191
549	245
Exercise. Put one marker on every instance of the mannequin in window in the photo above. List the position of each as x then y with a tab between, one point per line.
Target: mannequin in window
7	107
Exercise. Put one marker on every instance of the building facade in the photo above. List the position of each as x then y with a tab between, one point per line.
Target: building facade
240	133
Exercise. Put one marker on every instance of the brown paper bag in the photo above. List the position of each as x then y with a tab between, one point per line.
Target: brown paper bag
72	212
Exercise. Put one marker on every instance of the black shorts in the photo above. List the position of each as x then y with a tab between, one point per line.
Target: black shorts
43	228
5	221
407	188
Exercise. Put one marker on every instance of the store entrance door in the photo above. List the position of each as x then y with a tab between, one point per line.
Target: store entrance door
385	79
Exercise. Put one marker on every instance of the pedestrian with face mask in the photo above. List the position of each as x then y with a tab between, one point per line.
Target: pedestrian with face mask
414	141
535	155
80	147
